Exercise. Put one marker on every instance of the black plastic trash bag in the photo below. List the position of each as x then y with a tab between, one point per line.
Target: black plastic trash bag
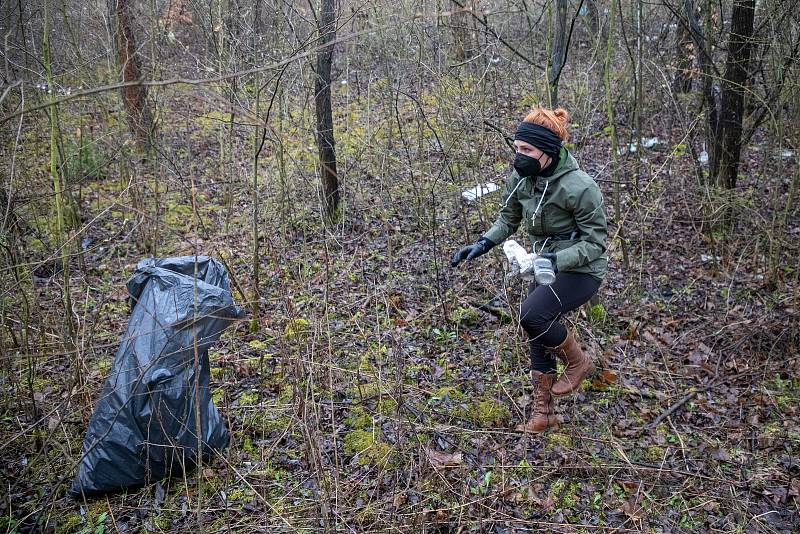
143	427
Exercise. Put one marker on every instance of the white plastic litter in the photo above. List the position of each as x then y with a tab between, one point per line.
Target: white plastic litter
649	142
786	153
646	142
479	190
703	157
520	260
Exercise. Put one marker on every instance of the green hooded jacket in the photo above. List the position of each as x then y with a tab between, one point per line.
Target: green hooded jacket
572	202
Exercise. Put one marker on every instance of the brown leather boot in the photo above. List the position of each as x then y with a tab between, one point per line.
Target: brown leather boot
578	366
544	415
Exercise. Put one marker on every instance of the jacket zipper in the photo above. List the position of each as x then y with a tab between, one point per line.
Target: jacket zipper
539	210
544	229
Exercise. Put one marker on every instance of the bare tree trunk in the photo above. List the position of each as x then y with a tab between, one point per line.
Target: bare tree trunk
607	66
638	106
177	12
462	30
709	74
733	90
684	47
322	98
133	96
559	51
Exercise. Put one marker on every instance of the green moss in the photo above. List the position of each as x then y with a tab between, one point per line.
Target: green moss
271	472
386	406
413	371
368	447
40	383
367	390
297	328
213	120
211	484
788	384
70	524
597	314
255	362
263	422
655	453
217	372
364	365
248	398
611	391
687	522
465	316
522	470
241	495
115	307
163	521
217	395
448	392
597	503
177	215
359	419
257	344
785	402
565	494
102	365
555	439
490	412
369	512
285	394
247	445
376	353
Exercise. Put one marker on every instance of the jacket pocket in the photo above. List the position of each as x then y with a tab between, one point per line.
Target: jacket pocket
526	218
557	221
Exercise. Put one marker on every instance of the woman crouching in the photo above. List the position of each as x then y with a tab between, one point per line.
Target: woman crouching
562	211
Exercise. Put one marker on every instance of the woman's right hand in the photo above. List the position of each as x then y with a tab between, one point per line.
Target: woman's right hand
471	252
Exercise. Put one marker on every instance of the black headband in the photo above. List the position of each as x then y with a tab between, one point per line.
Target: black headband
542	138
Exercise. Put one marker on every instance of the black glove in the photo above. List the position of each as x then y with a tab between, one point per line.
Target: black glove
552	257
471	252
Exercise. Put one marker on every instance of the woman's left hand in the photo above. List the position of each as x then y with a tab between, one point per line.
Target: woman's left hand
552	257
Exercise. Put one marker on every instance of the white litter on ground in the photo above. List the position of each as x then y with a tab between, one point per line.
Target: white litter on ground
479	190
646	142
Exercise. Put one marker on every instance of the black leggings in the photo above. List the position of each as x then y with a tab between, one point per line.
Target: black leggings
544	307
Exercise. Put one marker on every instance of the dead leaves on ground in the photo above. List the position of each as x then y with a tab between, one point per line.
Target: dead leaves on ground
442	460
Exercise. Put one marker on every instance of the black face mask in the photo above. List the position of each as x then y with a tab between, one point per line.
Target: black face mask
527	166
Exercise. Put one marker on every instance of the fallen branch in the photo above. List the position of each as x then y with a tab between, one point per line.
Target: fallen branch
689	396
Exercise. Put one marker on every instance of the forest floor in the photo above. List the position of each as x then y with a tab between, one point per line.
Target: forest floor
376	394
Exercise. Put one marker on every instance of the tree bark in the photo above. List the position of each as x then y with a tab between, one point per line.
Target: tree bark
134	97
177	12
704	48
462	38
559	50
325	140
733	89
685	48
